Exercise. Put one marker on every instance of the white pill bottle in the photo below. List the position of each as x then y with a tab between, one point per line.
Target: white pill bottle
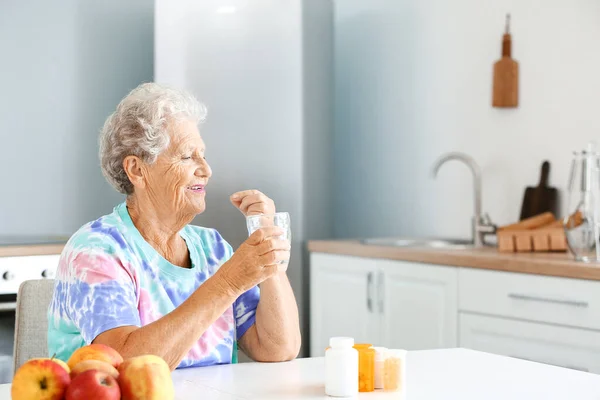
341	368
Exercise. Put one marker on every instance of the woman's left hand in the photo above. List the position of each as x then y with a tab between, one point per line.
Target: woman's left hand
253	202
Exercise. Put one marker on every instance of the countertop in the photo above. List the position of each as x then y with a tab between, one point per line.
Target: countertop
430	375
552	264
20	245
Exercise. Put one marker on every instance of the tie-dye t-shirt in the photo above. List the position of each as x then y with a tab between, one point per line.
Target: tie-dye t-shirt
109	276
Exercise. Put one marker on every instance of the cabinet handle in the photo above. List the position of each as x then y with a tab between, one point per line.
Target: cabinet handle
573	303
381	292
369	296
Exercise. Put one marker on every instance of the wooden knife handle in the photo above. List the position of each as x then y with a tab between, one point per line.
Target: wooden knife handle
530	223
574	220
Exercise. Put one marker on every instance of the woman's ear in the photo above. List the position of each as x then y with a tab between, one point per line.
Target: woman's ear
134	168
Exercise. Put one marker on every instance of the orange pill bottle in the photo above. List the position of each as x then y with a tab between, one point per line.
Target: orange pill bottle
366	367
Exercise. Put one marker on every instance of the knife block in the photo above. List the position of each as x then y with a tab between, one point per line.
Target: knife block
541	233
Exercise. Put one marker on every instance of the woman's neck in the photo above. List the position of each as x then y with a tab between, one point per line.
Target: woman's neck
160	228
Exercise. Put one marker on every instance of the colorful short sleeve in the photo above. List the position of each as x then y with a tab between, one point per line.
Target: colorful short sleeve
244	308
244	311
100	293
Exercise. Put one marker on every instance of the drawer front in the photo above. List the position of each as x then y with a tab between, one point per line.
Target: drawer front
564	301
572	348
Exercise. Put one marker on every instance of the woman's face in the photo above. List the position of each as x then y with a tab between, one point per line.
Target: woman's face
177	180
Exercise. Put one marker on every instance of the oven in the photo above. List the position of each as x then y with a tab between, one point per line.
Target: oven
13	271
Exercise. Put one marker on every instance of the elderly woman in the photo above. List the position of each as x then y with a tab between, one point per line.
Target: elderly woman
143	280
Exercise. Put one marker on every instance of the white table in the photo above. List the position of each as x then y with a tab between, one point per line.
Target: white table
433	374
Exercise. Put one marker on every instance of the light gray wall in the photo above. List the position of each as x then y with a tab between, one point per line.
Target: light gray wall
413	80
64	67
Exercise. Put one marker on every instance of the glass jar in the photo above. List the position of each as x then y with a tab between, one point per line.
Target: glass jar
582	221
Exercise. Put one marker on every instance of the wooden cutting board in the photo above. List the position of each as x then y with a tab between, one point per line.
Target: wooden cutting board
541	198
505	91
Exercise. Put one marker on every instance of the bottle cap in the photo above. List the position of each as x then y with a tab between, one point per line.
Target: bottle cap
338	342
380	353
396	353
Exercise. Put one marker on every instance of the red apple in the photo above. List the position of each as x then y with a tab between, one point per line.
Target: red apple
56	360
41	379
93	385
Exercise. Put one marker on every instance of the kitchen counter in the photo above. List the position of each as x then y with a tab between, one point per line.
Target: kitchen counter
31	250
552	264
430	375
19	246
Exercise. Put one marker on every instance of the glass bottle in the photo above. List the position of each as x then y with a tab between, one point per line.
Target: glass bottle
582	221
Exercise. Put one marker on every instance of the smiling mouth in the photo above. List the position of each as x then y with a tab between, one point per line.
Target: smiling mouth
196	188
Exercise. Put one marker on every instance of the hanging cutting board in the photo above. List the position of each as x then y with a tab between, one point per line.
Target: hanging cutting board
541	198
506	74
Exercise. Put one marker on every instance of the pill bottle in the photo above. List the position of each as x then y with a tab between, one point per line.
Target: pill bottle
394	374
341	368
366	367
380	354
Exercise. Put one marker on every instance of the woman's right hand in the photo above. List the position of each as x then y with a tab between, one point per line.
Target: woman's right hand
256	260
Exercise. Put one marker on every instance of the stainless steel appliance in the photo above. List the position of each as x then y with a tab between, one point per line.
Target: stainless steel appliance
13	271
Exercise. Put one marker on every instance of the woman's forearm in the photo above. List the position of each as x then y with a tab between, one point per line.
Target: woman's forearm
172	335
276	334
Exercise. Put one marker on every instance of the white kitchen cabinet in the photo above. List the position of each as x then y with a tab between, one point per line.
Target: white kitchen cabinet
411	305
558	345
342	300
419	305
394	304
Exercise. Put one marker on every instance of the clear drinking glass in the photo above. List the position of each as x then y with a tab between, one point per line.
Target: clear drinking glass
582	222
280	219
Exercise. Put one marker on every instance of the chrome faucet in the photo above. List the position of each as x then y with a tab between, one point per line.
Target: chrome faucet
481	224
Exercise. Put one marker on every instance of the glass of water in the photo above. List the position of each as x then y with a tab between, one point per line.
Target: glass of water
280	219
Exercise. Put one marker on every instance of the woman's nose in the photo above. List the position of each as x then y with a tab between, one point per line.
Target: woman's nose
204	169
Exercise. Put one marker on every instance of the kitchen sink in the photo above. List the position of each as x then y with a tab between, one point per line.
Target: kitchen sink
430	243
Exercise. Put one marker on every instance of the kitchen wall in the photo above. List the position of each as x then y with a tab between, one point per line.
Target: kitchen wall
413	80
65	65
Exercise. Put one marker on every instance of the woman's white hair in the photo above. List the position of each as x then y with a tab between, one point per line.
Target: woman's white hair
139	127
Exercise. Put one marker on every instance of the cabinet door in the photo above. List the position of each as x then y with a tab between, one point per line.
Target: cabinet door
342	300
550	344
418	304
